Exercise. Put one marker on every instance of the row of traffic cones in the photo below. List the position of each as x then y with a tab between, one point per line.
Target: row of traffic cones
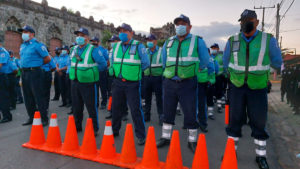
127	158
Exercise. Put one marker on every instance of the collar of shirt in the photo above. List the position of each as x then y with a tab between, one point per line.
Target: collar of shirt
188	36
150	51
125	46
30	41
251	38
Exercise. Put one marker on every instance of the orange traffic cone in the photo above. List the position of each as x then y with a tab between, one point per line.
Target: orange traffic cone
174	159
109	103
53	142
150	156
88	149
229	158
71	144
107	153
128	158
201	158
37	137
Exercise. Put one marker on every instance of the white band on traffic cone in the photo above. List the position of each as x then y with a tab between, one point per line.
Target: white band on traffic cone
53	123
108	131
37	122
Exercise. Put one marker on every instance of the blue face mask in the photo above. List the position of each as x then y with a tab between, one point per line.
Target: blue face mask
25	36
63	52
180	30
123	37
150	44
112	45
80	40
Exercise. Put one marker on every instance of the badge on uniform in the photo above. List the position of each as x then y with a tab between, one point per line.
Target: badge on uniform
132	50
235	46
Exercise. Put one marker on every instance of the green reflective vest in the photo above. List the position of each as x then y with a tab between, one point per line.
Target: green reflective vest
219	59
202	76
156	67
127	65
253	67
83	68
110	69
182	58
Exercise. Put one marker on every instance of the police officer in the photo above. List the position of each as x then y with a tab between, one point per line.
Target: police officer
183	56
61	68
289	87
248	57
283	87
297	91
84	73
56	82
153	78
47	70
205	77
102	84
220	79
5	66
12	82
129	60
68	81
33	55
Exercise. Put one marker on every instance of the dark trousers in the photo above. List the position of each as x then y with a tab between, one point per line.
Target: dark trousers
4	97
210	95
110	80
202	104
184	92
11	89
123	93
63	86
153	84
84	94
220	86
56	86
47	80
244	103
19	96
68	90
32	85
103	86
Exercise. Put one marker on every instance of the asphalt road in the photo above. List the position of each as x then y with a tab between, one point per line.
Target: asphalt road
13	135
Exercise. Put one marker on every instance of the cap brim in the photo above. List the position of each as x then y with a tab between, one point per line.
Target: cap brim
179	19
20	30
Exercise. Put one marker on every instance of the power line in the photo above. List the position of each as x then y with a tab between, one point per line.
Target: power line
292	30
263	15
287	9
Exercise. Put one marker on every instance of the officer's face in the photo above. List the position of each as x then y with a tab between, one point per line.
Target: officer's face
95	43
215	48
86	37
188	26
129	34
31	35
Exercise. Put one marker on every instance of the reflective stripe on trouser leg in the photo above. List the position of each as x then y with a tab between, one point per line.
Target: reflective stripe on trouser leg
210	111
166	131
192	135
236	141
261	147
219	103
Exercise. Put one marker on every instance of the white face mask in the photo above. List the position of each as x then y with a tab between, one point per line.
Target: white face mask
213	51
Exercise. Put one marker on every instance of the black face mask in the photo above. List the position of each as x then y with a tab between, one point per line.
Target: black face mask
247	27
57	53
95	44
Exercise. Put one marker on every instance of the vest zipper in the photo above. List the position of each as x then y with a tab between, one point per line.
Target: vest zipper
177	59
150	64
123	58
247	62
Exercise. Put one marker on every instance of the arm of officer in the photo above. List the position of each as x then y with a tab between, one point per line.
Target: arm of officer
105	54
203	53
164	55
143	56
275	54
13	67
4	58
52	65
210	67
216	64
99	59
226	56
42	50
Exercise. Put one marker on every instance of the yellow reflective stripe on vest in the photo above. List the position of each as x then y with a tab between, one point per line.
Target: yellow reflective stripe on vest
259	66
86	58
158	58
189	58
130	60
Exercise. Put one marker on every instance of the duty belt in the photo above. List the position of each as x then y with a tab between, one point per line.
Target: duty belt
31	68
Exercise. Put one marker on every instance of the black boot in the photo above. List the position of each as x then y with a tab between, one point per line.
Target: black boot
162	142
192	146
28	122
262	162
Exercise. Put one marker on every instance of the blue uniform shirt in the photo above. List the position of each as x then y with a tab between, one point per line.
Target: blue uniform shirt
32	53
63	61
202	51
99	59
69	64
103	52
142	53
12	66
4	59
274	52
47	67
18	62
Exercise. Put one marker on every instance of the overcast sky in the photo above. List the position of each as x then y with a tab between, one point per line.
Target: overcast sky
214	20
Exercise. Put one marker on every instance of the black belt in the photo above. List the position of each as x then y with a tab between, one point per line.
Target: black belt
124	80
31	68
181	80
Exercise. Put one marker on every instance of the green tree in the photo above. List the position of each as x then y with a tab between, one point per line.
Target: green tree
106	35
161	42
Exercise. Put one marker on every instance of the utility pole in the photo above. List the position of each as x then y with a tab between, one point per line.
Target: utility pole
263	17
277	21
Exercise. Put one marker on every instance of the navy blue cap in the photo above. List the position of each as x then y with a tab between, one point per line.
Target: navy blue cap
95	39
114	38
182	18
26	28
57	49
215	45
82	30
151	37
248	14
65	47
124	26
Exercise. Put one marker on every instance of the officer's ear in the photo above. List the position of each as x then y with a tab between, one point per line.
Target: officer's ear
256	23
189	27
